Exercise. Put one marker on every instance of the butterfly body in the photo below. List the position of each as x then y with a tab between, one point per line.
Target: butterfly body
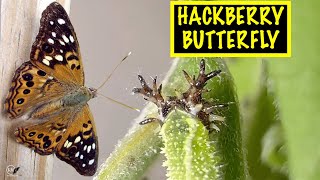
75	99
49	89
78	97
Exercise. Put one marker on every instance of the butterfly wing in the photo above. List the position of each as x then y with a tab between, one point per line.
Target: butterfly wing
30	88
79	145
71	134
44	137
56	48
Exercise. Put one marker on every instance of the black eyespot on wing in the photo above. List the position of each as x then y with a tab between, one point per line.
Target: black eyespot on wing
41	73
30	83
40	135
26	91
32	134
46	138
27	77
47	144
20	101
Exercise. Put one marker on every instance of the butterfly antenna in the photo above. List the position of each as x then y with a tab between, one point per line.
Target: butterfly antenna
118	102
114	70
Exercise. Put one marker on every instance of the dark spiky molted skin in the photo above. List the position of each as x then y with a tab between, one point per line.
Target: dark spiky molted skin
190	101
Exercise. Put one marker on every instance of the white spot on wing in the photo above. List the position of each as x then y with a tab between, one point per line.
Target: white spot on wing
83	165
94	146
77	154
48	58
50	41
61	42
65	38
61	21
61	50
46	62
54	34
71	38
89	149
59	57
51	22
66	143
91	161
77	139
85	147
81	156
69	144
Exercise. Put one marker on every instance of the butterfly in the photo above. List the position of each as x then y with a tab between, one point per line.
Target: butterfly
50	89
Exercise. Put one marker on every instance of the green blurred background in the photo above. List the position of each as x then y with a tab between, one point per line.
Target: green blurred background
280	103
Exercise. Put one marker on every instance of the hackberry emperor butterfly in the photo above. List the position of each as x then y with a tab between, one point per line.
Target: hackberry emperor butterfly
50	88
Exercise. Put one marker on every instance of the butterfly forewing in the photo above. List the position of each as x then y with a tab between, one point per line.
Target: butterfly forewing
56	49
79	145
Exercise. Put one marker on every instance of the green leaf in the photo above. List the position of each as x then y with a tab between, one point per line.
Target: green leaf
297	89
259	114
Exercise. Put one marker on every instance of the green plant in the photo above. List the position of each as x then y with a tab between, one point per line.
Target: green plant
225	153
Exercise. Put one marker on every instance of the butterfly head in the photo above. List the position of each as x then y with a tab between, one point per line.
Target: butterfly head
93	92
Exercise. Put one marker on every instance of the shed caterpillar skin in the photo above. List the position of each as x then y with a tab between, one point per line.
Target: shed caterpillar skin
190	101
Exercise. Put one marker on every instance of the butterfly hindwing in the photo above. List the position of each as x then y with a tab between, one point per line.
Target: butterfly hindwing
30	88
44	137
56	48
79	145
71	134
